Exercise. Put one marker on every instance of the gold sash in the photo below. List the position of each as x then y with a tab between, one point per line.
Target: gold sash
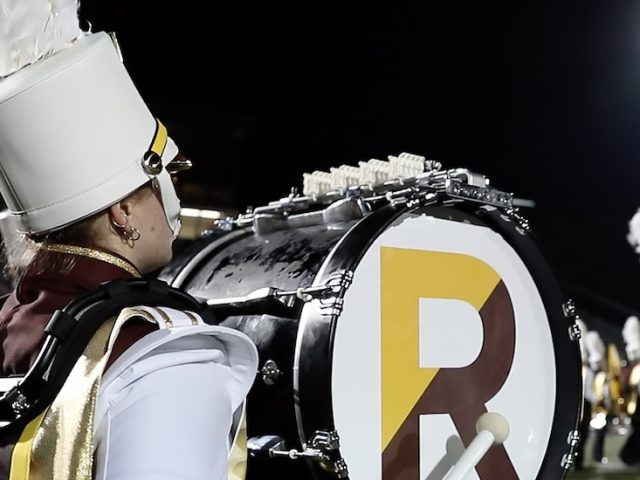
58	444
61	447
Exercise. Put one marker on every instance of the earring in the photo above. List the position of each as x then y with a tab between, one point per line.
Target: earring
134	234
117	225
128	236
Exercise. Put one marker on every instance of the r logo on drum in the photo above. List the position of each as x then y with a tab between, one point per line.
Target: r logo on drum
447	346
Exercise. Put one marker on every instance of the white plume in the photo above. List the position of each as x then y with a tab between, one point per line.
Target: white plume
33	29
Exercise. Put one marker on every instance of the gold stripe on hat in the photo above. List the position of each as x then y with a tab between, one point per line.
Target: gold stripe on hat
91	253
152	159
160	139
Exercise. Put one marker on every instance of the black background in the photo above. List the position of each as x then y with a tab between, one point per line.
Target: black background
543	98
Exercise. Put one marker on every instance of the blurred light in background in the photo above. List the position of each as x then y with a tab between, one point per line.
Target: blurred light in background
196	220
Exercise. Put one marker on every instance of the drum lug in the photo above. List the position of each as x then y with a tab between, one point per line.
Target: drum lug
327	292
270	372
512	214
328	442
322	448
573	438
569	310
569	458
329	297
567	461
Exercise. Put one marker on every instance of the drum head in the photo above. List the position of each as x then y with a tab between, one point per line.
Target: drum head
451	314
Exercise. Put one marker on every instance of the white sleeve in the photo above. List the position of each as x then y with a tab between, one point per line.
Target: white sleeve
172	423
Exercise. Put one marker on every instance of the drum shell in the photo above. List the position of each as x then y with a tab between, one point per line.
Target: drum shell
236	264
301	402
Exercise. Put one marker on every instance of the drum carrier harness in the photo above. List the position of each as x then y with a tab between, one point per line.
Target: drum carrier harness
68	333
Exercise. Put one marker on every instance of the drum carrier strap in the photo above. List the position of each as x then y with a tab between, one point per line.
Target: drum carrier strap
68	333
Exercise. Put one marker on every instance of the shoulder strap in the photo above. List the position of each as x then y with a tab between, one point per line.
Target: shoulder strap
68	333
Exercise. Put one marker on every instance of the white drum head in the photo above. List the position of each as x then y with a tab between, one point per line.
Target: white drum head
443	322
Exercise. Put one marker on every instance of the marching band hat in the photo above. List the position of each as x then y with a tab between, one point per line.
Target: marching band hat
76	137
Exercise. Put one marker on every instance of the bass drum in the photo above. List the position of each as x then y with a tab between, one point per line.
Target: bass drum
415	322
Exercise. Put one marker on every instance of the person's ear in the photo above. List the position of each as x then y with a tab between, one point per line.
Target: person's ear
119	214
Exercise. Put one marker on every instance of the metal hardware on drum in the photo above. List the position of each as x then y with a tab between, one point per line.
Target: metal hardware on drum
567	461
573	438
341	211
270	372
325	440
335	283
574	332
354	202
322	447
513	214
569	310
340	468
285	303
263	300
569	458
486	195
329	441
432	165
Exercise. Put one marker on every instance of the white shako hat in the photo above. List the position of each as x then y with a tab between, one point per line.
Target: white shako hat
76	137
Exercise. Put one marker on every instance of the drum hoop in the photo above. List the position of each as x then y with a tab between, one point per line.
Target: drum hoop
569	391
568	400
318	387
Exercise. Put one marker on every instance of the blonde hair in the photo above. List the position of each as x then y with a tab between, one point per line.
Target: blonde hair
19	251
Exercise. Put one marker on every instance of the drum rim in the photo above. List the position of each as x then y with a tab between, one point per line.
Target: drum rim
568	398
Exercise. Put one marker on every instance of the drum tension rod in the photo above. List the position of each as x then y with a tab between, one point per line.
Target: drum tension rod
262	301
322	447
330	288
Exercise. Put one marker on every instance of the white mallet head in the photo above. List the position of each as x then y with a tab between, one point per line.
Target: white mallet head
494	423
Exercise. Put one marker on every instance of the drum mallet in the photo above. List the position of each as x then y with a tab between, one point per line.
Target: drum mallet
492	428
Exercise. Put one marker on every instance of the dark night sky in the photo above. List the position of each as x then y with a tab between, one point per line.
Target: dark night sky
542	98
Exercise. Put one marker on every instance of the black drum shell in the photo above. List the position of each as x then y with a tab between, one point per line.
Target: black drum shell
235	265
300	402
